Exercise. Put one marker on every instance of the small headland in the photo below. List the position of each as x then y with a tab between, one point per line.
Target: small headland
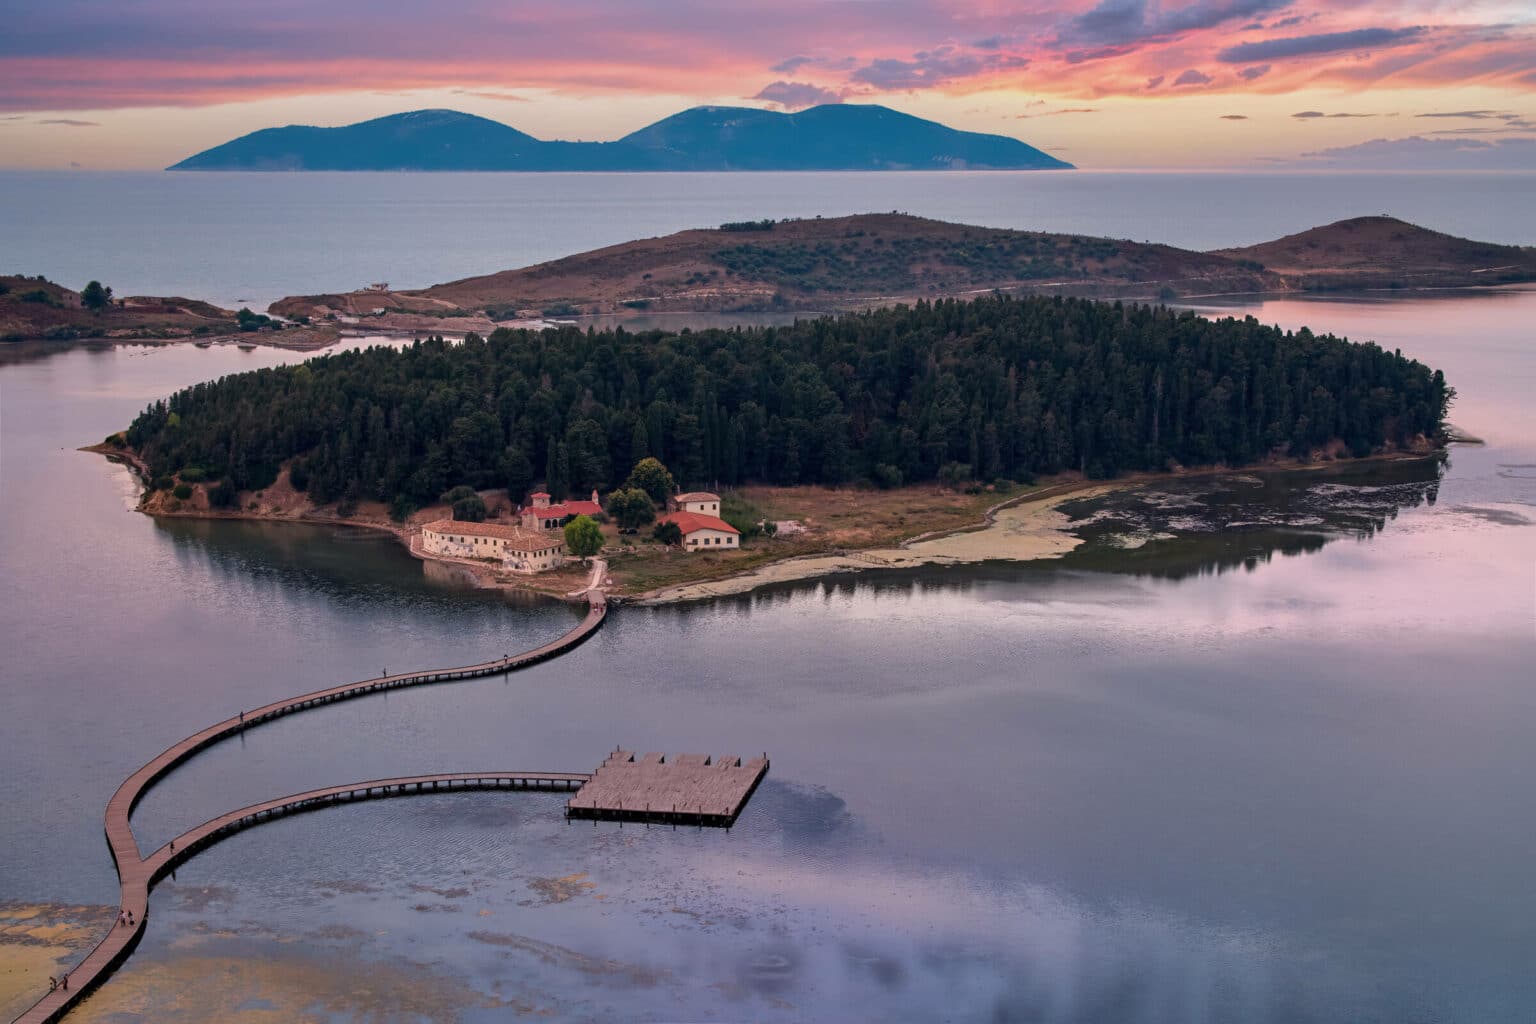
35	309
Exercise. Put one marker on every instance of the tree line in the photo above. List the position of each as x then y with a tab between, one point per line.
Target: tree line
996	387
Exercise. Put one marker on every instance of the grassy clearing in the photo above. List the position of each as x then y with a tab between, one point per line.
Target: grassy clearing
835	519
854	518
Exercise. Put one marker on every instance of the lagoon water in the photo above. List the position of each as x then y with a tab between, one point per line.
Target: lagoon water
1261	751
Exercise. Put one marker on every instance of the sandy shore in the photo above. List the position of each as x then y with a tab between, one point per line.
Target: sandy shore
1025	529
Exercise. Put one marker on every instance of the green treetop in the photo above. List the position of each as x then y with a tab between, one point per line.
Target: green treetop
650	476
631	508
95	297
583	536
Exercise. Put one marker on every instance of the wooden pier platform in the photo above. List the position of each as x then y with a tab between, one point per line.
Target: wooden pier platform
137	874
688	789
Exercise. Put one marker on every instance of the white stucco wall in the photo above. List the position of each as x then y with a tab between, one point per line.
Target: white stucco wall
709	540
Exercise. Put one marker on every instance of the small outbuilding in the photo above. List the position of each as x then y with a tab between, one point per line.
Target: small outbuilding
701	502
703	532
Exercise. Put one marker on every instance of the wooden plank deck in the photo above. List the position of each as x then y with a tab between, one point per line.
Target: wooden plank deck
688	789
141	876
136	874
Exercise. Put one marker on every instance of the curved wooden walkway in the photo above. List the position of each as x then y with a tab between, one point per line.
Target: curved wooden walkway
137	874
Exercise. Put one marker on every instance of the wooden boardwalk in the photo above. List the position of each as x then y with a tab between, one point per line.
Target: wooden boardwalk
140	877
136	874
688	789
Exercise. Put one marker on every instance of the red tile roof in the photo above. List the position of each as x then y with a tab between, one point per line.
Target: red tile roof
692	522
566	508
696	496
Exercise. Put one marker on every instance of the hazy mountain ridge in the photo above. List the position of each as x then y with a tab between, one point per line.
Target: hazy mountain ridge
830	137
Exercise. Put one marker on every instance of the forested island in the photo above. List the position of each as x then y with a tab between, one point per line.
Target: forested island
993	389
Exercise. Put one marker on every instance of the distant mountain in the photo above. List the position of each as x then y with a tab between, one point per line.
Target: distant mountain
422	140
835	137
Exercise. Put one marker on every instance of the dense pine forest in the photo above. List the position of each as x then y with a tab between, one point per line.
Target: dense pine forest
992	388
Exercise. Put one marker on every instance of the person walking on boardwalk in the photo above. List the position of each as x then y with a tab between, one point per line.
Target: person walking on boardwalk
64	982
53	983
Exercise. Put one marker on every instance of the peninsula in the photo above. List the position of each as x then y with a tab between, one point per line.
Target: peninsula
820	265
831	137
855	262
37	309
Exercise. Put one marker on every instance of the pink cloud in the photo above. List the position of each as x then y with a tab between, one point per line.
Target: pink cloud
796	95
169	52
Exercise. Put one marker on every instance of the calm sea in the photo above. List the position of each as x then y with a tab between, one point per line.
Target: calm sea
1262	752
246	239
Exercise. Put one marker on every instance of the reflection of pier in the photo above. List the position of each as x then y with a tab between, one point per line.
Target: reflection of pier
137	874
690	789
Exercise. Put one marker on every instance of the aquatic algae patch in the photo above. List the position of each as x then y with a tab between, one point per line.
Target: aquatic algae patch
42	939
558	890
552	955
239	981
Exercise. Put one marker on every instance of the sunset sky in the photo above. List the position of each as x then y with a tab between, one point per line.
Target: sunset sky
1111	84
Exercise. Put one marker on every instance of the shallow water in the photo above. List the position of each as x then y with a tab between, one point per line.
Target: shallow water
1276	771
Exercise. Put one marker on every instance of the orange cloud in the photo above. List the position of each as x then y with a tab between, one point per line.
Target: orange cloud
169	53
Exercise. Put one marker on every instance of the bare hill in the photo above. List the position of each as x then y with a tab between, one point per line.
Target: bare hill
820	264
1387	252
34	307
835	263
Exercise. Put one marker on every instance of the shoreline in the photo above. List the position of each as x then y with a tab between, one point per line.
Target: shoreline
482	574
1034	531
1025	527
319	337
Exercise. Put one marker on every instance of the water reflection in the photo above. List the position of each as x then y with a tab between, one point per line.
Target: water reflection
821	926
341	564
1242	521
1175	530
1173	793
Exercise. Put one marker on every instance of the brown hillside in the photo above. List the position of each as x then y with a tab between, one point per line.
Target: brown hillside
1383	251
818	264
32	307
874	259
